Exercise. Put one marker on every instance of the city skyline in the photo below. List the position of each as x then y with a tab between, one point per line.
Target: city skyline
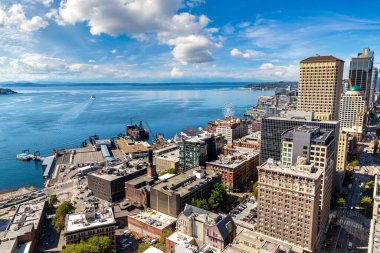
176	41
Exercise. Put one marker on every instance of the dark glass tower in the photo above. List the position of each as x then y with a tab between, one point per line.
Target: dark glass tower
361	72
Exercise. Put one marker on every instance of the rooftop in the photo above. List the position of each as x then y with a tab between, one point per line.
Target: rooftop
26	218
253	242
154	219
89	219
313	174
318	135
328	58
186	182
128	146
170	156
233	160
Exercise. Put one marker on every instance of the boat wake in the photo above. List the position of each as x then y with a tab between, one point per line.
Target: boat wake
75	112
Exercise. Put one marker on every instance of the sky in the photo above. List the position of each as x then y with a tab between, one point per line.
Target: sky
178	40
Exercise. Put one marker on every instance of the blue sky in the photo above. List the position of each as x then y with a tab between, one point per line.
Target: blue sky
177	40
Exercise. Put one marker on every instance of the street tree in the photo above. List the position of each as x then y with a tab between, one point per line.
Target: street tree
53	200
255	189
341	202
60	215
96	244
378	130
366	202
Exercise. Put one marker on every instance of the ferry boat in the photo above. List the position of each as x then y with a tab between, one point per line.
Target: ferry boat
92	97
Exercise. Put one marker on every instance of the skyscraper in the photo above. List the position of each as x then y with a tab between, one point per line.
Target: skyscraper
352	112
361	72
320	86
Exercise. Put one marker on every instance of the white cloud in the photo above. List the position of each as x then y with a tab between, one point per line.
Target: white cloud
47	3
113	51
248	54
15	17
176	72
188	34
193	49
268	71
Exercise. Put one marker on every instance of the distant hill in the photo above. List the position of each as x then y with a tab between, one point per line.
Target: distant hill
5	91
271	85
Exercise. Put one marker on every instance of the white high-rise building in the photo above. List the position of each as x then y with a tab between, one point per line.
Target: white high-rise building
352	111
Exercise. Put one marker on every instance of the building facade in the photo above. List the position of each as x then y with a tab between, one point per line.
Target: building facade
288	203
352	112
238	169
170	196
231	128
317	146
197	151
341	160
273	128
208	228
91	223
320	86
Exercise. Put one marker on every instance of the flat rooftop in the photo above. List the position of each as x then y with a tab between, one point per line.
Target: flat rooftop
234	160
128	146
186	182
78	222
26	218
172	156
154	219
280	168
253	242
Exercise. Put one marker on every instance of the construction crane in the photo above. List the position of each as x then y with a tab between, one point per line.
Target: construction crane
359	113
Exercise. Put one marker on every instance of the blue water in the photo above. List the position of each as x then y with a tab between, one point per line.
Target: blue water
58	116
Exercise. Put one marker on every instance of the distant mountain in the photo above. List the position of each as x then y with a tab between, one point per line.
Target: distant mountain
4	91
271	85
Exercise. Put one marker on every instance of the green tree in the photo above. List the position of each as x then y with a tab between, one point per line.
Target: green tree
142	247
255	189
375	145
341	202
53	200
60	215
366	202
218	196
96	244
200	203
162	242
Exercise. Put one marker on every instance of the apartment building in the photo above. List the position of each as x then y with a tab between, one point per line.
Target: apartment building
320	86
288	202
231	128
238	169
317	146
341	160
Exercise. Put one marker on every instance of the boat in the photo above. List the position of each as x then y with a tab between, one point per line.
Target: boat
137	132
23	157
92	97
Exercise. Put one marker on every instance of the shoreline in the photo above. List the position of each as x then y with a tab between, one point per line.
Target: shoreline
6	194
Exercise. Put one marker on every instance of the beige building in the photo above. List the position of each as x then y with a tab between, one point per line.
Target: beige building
352	112
341	159
288	203
320	86
317	145
167	161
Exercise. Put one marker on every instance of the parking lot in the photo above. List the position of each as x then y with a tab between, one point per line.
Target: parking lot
245	214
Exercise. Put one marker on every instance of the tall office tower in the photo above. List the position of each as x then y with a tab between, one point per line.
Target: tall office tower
317	145
288	203
361	72
352	112
273	127
341	160
375	74
320	86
